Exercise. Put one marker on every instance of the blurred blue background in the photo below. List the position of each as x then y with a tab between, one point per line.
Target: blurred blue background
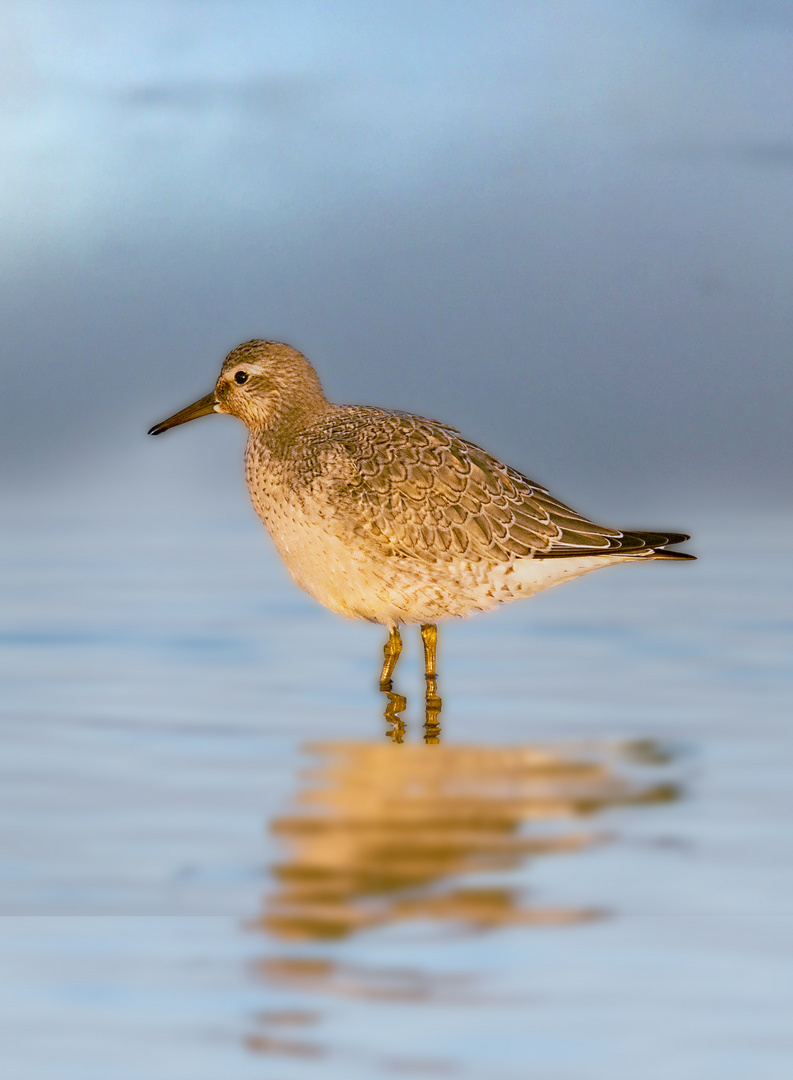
563	227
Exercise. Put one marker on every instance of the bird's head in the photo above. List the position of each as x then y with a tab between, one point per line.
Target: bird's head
263	383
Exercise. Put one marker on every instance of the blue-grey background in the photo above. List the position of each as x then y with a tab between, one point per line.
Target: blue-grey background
564	227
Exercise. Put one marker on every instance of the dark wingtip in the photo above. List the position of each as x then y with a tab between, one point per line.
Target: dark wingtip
662	553
659	542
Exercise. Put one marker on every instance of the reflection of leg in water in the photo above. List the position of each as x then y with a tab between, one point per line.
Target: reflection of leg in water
393	647
396	705
432	729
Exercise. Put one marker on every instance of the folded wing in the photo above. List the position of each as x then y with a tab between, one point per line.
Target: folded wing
422	492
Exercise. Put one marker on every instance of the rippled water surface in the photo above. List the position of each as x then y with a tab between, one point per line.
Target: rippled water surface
215	863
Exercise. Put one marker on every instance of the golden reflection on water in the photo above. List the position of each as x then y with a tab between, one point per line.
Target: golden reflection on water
383	833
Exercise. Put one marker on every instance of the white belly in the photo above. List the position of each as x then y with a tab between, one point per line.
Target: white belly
356	579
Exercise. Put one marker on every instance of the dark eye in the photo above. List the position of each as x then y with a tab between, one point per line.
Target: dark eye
240	377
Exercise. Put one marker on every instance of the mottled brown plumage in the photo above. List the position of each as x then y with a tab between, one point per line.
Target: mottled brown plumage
426	493
392	517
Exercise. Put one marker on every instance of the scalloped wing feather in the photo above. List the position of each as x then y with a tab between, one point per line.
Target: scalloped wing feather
420	491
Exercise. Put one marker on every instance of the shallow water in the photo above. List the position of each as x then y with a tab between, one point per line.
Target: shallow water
214	863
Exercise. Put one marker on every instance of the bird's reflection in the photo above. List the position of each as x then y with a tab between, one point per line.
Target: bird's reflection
381	834
396	705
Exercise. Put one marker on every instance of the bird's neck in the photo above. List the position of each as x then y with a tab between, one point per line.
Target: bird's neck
288	420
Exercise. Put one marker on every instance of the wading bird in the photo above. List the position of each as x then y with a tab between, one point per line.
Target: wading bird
395	518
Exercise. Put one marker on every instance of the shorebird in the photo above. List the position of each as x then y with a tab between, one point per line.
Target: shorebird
395	518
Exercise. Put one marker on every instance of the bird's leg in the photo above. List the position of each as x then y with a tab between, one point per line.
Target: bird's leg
396	703
393	647
432	729
429	635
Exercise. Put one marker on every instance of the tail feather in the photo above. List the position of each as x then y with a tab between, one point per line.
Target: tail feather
654	539
632	542
657	542
662	553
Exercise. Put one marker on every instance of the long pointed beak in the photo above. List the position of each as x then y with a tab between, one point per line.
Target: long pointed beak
199	408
